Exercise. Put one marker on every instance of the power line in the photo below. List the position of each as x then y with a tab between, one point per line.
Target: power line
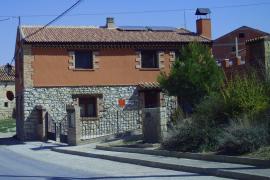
49	23
5	19
143	11
54	20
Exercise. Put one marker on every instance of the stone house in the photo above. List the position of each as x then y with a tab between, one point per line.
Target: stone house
7	85
109	72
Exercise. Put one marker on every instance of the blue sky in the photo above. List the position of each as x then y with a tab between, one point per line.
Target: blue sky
224	20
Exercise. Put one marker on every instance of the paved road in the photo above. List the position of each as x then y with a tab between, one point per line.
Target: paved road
34	160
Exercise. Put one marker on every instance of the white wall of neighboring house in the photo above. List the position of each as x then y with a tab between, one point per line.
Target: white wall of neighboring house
7	107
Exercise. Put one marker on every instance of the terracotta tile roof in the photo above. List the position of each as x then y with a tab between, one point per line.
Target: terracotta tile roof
148	85
258	39
4	76
93	34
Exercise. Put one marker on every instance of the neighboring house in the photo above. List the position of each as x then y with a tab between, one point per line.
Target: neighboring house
101	69
7	85
258	54
224	47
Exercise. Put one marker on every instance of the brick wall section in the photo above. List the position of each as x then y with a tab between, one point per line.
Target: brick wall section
222	47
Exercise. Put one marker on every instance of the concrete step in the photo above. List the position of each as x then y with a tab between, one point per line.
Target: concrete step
228	170
197	156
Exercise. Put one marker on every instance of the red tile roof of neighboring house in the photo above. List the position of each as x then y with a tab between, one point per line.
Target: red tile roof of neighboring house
4	76
58	34
243	28
258	39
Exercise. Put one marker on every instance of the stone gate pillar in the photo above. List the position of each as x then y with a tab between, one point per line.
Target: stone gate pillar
154	124
74	130
41	128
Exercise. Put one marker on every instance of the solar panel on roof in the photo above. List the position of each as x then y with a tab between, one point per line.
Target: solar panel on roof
132	28
161	28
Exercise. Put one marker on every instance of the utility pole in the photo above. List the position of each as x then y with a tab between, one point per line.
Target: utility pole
19	21
236	47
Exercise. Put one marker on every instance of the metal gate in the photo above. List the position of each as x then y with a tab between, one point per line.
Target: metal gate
56	131
109	123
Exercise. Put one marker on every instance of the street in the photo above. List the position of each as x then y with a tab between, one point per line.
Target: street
34	160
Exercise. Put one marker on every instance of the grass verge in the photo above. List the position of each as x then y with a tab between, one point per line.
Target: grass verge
7	125
262	153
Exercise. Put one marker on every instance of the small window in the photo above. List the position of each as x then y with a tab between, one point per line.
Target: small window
241	35
233	49
6	104
149	59
83	60
88	106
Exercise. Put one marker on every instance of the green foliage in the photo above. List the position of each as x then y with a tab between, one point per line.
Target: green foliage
239	139
187	138
211	112
245	95
262	153
194	75
7	125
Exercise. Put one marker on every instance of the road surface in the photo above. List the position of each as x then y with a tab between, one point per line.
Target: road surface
34	160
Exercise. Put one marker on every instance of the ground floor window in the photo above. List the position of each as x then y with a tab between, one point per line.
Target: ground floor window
88	106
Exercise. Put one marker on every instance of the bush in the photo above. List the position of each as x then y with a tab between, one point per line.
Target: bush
243	98
185	138
245	95
210	112
238	140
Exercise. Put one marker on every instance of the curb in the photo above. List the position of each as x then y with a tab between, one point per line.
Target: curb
205	157
198	170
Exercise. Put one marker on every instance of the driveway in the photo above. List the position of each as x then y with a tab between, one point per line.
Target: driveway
35	160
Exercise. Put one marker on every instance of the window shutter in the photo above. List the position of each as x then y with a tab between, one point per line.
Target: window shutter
161	59
95	60
172	58
71	60
138	60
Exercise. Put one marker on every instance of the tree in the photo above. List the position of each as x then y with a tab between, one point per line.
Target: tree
193	75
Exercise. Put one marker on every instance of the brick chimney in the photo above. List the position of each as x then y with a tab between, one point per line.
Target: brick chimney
203	22
110	23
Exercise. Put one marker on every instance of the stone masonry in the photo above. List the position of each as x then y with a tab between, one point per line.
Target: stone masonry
54	100
7	107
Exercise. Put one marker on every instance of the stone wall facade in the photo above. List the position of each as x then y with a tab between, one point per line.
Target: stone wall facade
54	100
7	107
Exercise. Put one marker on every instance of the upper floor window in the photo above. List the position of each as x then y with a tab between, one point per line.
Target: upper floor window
83	60
241	35
149	59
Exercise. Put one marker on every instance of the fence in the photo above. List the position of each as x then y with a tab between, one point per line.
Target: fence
112	122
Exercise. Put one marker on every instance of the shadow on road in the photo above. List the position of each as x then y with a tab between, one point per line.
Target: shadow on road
9	141
48	145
